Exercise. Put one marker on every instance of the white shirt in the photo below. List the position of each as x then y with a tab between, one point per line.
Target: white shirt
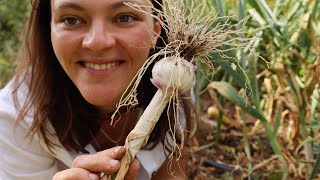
24	158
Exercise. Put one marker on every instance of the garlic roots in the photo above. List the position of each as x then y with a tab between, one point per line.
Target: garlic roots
172	76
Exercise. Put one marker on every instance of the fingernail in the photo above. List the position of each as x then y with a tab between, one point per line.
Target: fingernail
116	149
112	163
93	176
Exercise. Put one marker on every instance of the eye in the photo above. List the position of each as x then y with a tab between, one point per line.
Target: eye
70	21
125	18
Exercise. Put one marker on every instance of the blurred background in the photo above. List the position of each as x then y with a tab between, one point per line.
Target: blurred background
13	17
258	116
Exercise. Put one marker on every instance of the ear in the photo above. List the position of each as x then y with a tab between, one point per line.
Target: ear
156	32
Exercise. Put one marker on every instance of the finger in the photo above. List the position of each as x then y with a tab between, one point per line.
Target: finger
133	170
75	174
105	161
95	163
115	153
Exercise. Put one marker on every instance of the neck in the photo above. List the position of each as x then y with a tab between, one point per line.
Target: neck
114	135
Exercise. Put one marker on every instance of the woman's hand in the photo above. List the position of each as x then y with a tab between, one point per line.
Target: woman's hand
88	167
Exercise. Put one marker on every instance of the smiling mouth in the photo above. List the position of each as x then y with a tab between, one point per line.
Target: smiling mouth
100	67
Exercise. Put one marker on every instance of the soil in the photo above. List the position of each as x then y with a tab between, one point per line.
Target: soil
231	156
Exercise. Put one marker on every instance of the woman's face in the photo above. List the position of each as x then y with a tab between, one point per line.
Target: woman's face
101	44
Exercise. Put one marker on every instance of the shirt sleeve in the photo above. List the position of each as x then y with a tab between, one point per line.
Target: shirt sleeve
20	157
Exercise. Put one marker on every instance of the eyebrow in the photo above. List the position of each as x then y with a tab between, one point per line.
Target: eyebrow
122	3
71	5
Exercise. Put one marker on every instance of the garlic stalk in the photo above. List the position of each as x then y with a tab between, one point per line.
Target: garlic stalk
170	75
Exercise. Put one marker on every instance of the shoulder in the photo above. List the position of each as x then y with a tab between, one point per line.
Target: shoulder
13	134
15	149
9	111
23	157
8	107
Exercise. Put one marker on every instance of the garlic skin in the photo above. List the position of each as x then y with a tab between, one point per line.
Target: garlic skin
173	72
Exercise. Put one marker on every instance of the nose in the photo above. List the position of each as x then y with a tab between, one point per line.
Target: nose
99	38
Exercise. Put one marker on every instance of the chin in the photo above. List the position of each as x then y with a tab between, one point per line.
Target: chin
104	103
101	97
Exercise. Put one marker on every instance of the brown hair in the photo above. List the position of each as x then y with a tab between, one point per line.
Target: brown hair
52	97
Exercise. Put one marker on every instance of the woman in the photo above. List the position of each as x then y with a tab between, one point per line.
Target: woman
79	56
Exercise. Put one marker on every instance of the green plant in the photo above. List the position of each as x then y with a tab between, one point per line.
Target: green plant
11	26
280	86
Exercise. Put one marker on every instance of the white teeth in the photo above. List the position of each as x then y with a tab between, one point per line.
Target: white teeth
100	67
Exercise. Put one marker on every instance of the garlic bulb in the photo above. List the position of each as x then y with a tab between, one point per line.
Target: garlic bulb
173	72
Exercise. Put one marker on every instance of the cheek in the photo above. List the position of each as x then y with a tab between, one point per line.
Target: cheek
64	46
139	43
57	45
57	48
141	37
